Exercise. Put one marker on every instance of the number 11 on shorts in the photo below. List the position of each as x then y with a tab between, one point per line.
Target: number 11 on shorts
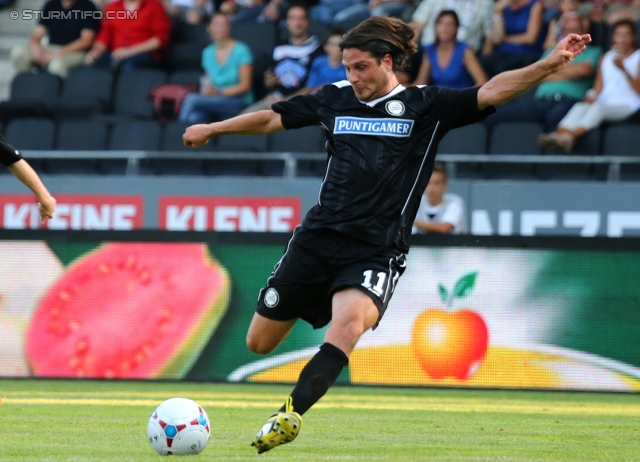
378	288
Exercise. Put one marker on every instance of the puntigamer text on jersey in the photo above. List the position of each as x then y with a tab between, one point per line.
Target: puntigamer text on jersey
377	127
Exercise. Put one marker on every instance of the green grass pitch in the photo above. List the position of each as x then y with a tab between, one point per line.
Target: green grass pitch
96	420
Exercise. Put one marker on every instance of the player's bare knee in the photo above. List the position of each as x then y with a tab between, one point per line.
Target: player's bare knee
259	346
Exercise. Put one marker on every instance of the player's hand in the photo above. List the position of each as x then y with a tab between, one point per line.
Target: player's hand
567	49
196	135
46	206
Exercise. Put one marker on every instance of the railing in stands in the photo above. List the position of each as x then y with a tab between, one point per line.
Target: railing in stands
290	159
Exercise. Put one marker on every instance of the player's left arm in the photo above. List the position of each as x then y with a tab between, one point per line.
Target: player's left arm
255	123
507	85
28	176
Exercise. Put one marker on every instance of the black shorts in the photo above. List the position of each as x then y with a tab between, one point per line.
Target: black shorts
318	263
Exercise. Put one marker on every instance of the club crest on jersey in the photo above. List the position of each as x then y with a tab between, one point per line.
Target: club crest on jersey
375	127
395	107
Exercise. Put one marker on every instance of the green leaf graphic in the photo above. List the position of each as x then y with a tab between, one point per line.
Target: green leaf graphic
444	295
465	285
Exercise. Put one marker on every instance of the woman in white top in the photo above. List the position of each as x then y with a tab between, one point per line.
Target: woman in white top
615	94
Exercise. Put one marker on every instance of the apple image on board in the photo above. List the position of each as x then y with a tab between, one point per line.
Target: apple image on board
448	342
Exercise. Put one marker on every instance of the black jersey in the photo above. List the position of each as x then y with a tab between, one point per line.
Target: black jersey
380	154
8	154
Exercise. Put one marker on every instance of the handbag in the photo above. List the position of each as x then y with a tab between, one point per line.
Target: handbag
168	98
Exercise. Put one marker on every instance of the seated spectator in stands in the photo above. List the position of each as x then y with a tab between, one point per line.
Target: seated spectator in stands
327	69
363	10
242	10
611	11
136	41
447	62
558	92
517	37
475	18
274	10
327	11
291	61
615	94
566	9
189	11
226	88
69	39
440	212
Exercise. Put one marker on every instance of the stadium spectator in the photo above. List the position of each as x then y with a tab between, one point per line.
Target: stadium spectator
611	11
68	38
475	20
189	11
448	62
558	92
363	10
555	32
440	212
327	68
226	88
342	263
11	158
615	94
133	34
242	10
291	60
329	11
517	36
274	10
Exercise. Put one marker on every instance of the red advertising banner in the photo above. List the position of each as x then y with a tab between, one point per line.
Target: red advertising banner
248	214
74	211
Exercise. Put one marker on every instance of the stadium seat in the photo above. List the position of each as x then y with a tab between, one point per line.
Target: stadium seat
189	76
186	45
132	135
306	139
588	145
172	137
471	139
513	138
132	92
82	135
238	143
30	93
623	140
87	90
172	141
26	134
260	37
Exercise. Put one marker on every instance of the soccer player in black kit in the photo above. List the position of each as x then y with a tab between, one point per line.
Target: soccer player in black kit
11	158
343	262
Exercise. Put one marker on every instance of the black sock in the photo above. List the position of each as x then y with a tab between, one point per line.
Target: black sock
317	376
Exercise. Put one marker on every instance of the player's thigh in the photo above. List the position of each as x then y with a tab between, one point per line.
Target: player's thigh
264	334
376	277
353	313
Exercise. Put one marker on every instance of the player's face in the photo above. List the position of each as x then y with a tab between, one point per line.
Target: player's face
436	188
369	79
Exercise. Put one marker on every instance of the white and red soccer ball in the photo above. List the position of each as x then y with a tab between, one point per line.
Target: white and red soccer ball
178	426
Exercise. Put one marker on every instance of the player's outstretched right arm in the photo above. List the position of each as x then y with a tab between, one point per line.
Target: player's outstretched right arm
255	123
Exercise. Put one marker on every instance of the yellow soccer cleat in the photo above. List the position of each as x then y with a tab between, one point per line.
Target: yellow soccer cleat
281	428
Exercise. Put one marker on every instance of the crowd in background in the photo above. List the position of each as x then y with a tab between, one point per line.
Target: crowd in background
462	43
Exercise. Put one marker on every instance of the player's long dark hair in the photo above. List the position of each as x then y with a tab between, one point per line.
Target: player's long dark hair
380	36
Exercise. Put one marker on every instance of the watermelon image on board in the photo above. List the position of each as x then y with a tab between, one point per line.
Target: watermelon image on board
129	310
